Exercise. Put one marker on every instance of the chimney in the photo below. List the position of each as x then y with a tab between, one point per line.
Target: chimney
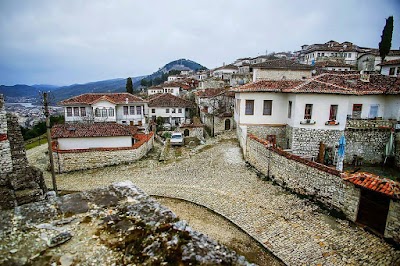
223	64
126	100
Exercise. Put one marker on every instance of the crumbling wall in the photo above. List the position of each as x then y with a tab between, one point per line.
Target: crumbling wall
19	182
397	149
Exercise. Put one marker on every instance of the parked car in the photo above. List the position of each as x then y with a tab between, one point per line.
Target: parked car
176	139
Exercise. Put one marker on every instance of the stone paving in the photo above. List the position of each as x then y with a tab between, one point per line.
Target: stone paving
216	176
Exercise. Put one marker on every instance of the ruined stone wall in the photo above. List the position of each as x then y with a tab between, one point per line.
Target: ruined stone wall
263	131
195	132
19	182
73	160
392	229
304	177
368	144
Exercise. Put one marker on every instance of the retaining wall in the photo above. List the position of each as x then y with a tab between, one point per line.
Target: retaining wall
73	160
304	177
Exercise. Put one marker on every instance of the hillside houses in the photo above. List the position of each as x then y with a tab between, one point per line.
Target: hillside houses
298	115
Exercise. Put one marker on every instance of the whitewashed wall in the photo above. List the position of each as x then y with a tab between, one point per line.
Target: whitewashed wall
94	142
367	101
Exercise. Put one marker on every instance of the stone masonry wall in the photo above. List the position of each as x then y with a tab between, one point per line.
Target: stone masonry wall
392	229
19	182
263	131
306	141
397	149
369	144
67	161
304	177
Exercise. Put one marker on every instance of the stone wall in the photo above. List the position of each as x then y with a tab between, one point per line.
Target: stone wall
306	141
392	229
397	149
263	131
304	177
368	144
73	160
194	131
19	182
279	74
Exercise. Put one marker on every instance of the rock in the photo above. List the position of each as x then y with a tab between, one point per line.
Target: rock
59	239
66	260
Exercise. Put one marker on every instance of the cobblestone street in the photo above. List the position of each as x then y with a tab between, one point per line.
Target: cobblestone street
215	176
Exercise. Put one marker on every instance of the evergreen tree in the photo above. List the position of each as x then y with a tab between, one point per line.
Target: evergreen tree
129	85
386	38
144	83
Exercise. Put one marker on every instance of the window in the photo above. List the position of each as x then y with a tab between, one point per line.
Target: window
97	112
173	110
308	111
333	112
153	111
125	110
357	107
76	111
167	110
322	54
111	112
373	111
131	110
69	111
318	55
289	111
267	107
83	111
138	110
391	71
249	107
398	71
180	110
104	112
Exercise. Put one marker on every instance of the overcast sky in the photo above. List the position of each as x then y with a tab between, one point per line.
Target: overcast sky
69	41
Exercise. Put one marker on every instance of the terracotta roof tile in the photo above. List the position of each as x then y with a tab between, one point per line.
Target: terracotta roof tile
328	83
169	100
373	182
390	62
282	64
81	130
90	98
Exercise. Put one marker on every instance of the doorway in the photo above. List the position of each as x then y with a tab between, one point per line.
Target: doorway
373	210
227	124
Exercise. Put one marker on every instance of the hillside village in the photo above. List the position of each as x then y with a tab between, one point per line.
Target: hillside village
309	122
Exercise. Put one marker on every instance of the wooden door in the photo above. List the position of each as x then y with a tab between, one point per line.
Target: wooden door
373	210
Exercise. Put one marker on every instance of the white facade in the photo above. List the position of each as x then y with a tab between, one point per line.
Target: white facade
386	107
174	90
104	111
94	142
391	70
349	57
174	115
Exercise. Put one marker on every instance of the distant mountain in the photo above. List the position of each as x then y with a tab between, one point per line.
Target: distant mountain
111	85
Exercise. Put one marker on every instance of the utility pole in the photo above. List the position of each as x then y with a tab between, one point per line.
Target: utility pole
50	150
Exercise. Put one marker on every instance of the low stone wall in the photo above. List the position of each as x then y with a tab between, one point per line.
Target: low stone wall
392	229
241	132
73	160
368	124
194	131
368	144
304	177
262	132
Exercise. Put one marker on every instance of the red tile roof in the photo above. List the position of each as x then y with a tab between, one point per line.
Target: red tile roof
373	182
169	100
282	64
390	62
82	130
90	98
329	83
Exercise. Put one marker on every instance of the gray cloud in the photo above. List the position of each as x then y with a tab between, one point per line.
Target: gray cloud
71	41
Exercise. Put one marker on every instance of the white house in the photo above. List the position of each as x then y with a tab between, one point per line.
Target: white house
390	68
172	109
123	108
93	135
225	72
333	65
280	69
298	112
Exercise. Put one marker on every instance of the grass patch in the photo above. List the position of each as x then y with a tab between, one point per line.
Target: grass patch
32	143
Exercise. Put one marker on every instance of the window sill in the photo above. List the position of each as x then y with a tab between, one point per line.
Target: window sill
332	123
308	122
